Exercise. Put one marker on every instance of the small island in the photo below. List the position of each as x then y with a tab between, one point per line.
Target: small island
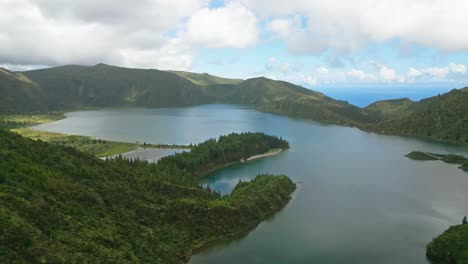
447	158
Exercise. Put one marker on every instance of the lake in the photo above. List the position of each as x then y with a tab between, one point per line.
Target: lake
359	200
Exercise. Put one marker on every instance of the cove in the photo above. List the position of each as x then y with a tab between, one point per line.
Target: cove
359	200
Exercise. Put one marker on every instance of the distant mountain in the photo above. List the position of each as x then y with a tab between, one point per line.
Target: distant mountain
103	85
19	94
286	98
205	78
73	86
443	117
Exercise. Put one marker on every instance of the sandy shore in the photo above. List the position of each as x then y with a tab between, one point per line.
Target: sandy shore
269	153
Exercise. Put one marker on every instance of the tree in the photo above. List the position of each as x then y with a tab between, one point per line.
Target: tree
464	222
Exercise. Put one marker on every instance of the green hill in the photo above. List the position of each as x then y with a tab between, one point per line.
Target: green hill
205	78
18	94
389	109
58	205
443	117
450	247
103	86
286	98
73	86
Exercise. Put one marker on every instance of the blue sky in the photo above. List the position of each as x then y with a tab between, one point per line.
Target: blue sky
392	47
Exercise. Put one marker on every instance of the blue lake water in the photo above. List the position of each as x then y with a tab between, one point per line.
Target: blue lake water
359	199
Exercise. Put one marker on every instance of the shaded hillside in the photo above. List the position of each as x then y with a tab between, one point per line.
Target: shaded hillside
443	117
205	78
58	205
104	85
287	98
19	94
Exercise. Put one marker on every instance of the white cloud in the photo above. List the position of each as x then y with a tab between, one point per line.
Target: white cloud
51	32
387	74
347	25
362	76
457	68
309	80
274	65
282	26
322	71
412	73
232	26
449	73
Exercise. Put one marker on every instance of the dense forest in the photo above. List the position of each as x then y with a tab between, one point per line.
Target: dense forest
59	205
451	246
443	117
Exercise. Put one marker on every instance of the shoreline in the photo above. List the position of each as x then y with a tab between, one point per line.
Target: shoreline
271	152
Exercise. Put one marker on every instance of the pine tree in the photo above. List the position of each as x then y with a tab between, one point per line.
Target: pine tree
464	222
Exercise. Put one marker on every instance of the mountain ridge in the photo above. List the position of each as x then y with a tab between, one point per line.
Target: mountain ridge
442	117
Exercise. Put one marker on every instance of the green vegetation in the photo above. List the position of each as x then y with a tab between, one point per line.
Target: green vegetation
205	78
26	120
286	98
59	205
73	86
447	158
450	247
419	155
107	86
389	109
443	117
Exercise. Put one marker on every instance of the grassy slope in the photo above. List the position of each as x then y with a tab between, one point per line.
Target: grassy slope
204	79
390	109
450	247
97	147
286	98
103	86
58	205
19	94
443	118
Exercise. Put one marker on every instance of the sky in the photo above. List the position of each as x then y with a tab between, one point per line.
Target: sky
372	46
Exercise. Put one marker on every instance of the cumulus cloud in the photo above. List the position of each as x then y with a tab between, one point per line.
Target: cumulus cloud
232	26
361	75
281	26
387	73
451	72
347	25
52	32
274	65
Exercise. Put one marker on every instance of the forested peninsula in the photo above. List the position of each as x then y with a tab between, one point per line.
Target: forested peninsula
60	205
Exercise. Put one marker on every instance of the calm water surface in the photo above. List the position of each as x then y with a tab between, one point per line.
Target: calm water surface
359	199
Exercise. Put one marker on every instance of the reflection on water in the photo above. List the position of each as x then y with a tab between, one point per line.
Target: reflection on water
151	155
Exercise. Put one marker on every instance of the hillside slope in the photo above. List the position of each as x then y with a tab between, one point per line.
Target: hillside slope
286	98
58	205
103	85
443	117
205	78
19	94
